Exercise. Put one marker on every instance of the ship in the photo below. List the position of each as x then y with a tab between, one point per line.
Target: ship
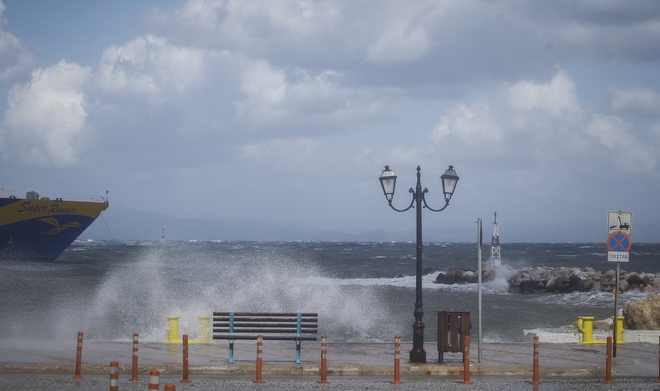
40	228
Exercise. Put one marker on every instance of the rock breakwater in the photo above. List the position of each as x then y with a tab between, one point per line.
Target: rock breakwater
539	280
572	279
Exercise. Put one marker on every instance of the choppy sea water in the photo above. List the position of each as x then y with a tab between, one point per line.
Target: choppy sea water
110	290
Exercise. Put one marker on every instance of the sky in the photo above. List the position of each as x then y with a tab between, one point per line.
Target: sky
287	111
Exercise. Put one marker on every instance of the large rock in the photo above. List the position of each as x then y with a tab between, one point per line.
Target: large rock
643	315
463	276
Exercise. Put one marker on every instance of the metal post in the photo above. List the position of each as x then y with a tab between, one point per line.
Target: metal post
480	239
418	354
388	182
616	310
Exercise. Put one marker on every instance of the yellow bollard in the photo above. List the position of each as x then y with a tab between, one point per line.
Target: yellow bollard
173	329
204	330
586	326
619	329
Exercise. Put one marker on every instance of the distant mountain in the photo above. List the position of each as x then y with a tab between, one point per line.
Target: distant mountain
127	224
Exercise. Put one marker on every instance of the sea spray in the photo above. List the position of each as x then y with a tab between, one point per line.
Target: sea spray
139	296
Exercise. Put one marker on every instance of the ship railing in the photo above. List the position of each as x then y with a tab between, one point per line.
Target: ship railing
52	196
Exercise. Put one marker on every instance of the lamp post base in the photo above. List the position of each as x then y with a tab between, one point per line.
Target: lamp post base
418	355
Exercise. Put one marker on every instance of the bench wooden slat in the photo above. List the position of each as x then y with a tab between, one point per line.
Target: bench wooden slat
265	337
264	331
261	314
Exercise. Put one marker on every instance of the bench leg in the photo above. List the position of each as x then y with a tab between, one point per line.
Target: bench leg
298	343
231	352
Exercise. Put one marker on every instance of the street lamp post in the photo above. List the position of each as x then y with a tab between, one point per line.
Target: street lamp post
388	182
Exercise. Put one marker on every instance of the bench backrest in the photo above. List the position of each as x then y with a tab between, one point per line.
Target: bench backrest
271	325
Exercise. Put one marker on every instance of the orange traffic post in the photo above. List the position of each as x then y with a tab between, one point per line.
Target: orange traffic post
134	376
535	378
170	387
114	376
153	379
397	359
259	353
608	362
79	356
466	360
323	361
185	359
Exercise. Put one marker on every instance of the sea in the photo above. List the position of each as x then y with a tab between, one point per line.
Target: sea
362	291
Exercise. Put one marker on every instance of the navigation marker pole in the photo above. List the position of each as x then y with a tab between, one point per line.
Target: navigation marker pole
495	257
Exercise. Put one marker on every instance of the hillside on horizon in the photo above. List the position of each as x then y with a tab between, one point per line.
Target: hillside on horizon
128	224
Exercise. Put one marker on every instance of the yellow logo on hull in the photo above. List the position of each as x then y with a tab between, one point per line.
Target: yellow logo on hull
59	227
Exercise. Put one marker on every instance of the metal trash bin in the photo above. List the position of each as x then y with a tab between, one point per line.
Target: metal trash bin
453	325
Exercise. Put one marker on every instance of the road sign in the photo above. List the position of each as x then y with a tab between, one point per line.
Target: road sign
618	256
619	241
619	221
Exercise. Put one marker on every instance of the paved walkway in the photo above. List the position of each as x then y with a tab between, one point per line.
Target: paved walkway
353	359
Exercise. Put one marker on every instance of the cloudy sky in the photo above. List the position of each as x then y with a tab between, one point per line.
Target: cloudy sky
286	111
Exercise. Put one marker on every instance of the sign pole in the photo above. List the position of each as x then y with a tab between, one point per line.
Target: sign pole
619	230
616	310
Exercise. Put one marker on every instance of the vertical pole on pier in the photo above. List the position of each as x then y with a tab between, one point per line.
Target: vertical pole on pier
153	379
466	360
658	381
324	363
259	354
185	359
79	356
114	376
397	360
616	309
134	376
608	362
480	239
535	377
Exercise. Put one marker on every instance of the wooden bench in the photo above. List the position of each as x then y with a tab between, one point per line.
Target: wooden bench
271	326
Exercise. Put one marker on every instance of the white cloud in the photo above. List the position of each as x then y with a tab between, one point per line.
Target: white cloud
557	98
640	101
148	65
45	122
624	148
542	125
15	59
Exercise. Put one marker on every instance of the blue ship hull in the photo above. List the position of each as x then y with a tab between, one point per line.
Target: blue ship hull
41	229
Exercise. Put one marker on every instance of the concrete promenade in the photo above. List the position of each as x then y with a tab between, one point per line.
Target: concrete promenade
633	360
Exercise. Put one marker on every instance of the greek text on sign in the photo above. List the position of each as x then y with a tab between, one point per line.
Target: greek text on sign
617	256
619	241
